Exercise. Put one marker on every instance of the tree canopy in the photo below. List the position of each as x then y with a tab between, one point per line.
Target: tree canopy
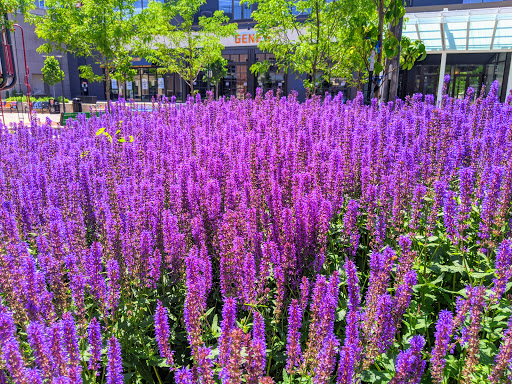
185	44
11	8
323	39
52	74
100	29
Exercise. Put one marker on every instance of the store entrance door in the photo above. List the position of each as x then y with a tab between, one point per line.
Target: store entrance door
463	81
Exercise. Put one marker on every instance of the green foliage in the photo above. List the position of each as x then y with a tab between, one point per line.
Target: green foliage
52	74
218	71
312	37
180	46
102	30
117	136
12	8
32	99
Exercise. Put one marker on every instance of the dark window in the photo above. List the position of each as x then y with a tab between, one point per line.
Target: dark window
235	10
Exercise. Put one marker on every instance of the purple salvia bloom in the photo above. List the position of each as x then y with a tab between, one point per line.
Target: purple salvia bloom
226	326
504	357
444	328
94	338
503	271
184	376
249	281
14	362
352	286
34	377
258	347
385	323
162	333
70	344
410	365
477	306
293	349
95	273
304	293
351	349
350	229
198	269
41	347
346	366
439	197
57	351
204	366
114	366
381	264
62	380
7	327
416	205
155	263
466	190
77	283
326	360
403	295
113	289
450	216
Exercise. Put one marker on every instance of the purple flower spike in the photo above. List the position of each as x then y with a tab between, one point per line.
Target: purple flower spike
184	376
504	357
162	333
444	328
410	364
114	366
293	349
95	344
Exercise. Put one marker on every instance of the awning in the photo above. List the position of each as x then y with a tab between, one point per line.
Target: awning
472	30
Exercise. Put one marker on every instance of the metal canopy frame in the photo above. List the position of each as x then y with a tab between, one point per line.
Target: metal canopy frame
474	30
462	31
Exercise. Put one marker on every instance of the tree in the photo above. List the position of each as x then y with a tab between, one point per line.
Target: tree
52	74
13	7
182	46
101	29
311	37
395	50
217	71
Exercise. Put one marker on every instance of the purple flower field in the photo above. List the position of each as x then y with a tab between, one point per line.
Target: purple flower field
260	241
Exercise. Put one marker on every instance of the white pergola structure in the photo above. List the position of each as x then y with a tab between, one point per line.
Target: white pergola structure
462	31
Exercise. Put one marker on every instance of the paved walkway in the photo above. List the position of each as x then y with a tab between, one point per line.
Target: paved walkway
11	118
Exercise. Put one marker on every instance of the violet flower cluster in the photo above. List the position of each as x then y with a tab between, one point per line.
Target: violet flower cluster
245	196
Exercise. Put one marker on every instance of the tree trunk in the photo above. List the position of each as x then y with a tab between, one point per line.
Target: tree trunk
381	32
393	84
54	91
217	91
390	85
191	85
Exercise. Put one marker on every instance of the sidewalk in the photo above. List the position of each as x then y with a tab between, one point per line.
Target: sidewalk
11	118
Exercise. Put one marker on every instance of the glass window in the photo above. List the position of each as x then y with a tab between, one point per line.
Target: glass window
237	10
227	7
247	11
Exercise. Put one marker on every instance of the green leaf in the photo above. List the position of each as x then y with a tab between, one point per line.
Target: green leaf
100	131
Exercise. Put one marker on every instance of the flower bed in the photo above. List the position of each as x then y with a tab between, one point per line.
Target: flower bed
260	241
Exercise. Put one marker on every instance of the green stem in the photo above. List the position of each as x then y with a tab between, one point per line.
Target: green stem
157	375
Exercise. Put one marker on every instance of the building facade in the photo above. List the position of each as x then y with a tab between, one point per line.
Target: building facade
469	39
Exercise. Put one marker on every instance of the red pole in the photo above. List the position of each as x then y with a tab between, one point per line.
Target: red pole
2	107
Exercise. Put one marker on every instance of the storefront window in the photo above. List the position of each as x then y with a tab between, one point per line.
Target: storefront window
235	10
273	79
475	76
